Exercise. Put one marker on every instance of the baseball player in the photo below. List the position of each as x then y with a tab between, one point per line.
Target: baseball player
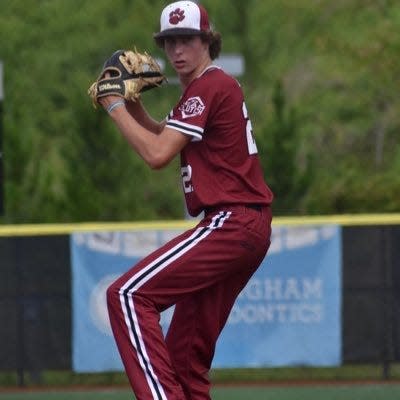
202	271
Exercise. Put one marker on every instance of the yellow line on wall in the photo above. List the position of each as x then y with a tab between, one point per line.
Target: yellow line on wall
64	229
344	220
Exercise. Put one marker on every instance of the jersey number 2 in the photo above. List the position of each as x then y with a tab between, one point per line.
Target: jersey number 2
186	173
251	143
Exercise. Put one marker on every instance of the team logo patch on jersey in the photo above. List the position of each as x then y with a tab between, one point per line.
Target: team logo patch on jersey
192	107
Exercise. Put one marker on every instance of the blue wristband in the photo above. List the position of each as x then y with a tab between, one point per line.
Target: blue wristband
112	106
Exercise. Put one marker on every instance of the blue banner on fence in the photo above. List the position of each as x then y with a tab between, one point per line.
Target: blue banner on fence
288	314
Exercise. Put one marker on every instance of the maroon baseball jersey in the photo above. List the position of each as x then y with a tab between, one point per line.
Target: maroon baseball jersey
220	165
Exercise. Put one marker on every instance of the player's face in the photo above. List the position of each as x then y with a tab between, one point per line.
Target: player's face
187	54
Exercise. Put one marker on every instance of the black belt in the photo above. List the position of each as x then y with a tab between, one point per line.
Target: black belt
257	207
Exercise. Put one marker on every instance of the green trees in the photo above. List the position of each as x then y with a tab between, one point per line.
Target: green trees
321	87
289	174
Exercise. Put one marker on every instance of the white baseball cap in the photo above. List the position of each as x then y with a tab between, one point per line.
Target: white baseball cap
183	18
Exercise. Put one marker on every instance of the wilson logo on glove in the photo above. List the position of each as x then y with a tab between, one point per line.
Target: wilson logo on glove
108	86
126	74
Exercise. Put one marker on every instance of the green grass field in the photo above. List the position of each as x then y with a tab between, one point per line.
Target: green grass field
317	392
348	382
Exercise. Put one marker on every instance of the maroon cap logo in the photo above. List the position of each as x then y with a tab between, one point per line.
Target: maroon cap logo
176	16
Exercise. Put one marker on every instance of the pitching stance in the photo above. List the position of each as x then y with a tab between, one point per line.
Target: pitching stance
203	270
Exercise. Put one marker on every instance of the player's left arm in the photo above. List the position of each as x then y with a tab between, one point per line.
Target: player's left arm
157	150
137	111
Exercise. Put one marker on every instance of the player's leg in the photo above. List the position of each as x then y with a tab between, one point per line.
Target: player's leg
136	299
198	320
134	320
194	331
